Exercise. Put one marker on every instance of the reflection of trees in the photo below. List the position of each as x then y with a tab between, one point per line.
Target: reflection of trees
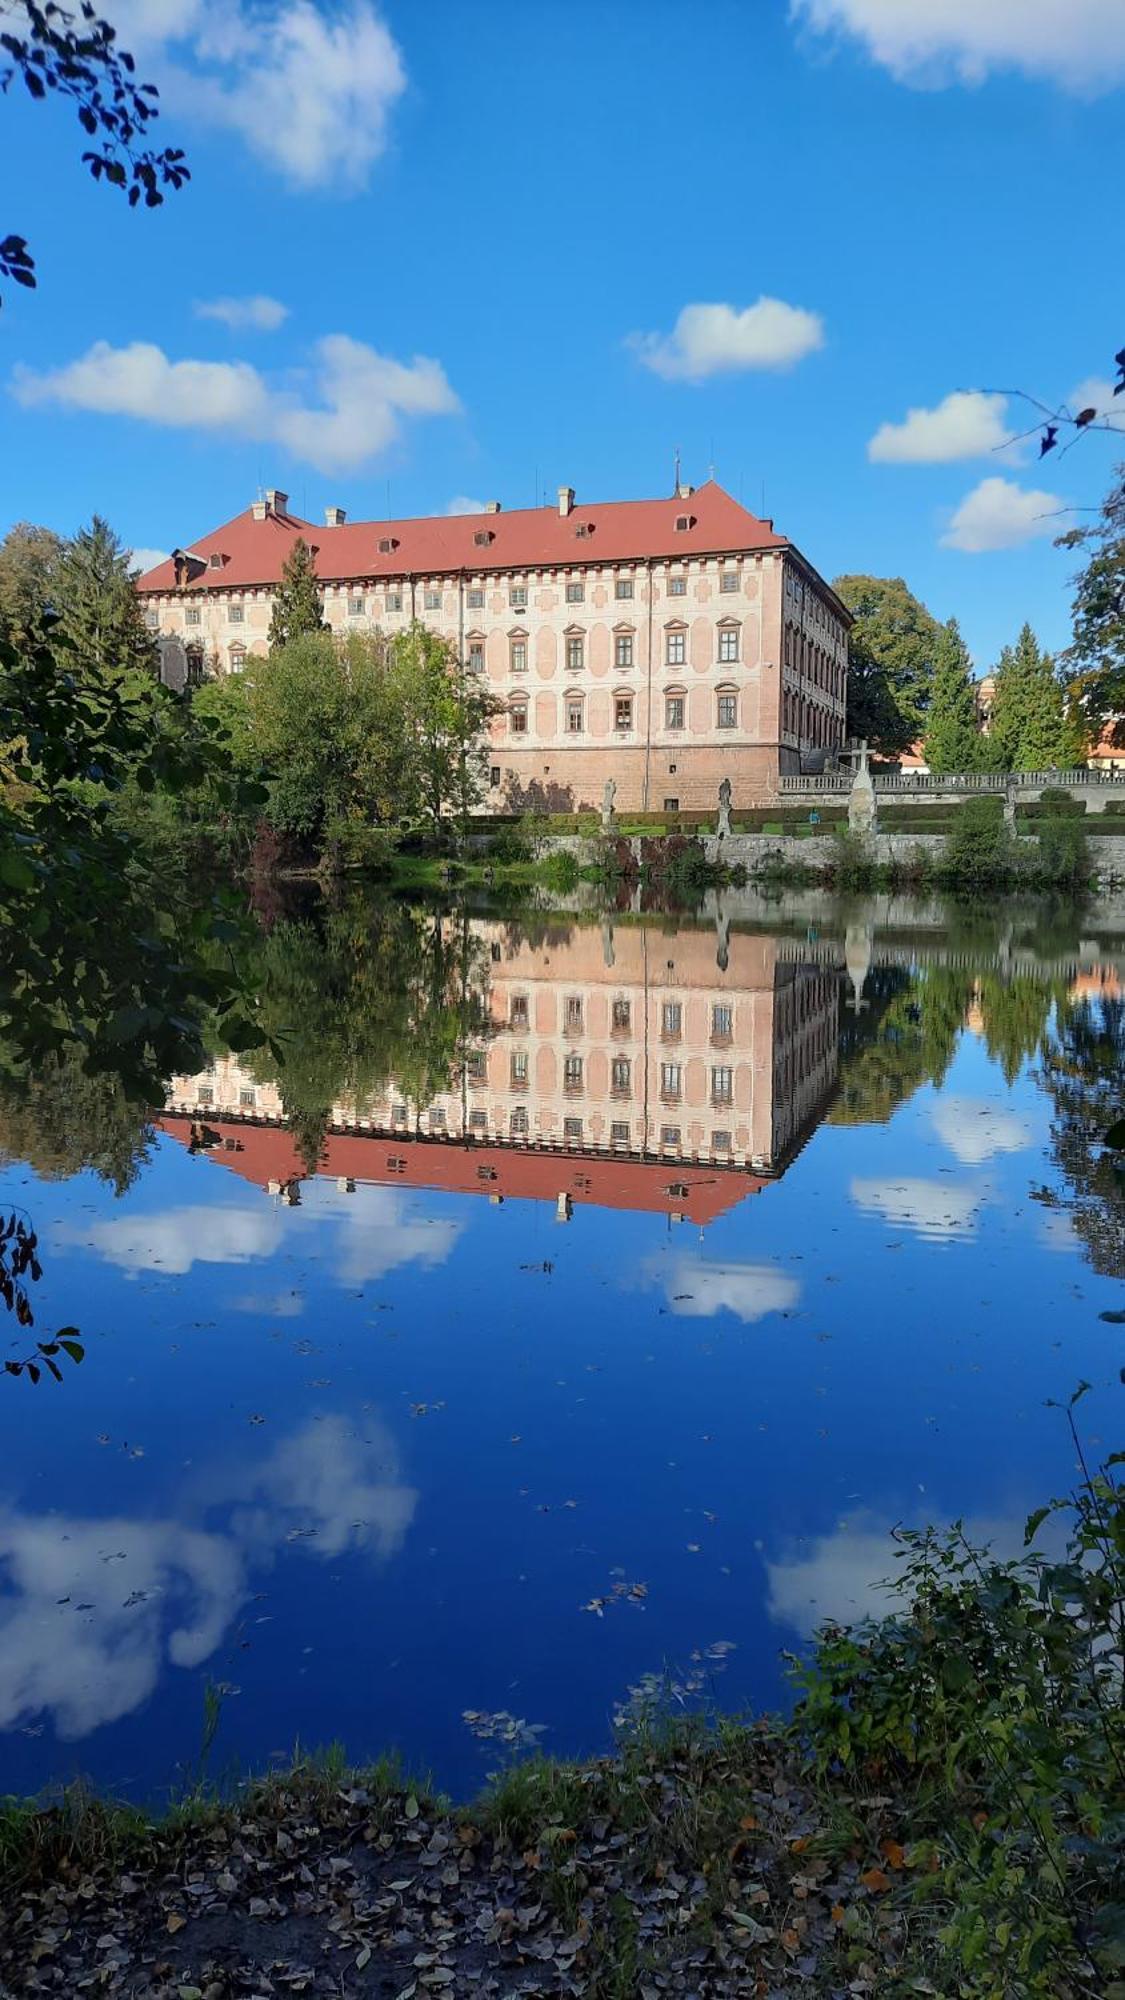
60	1120
908	1033
1082	1066
353	995
1014	1016
906	1038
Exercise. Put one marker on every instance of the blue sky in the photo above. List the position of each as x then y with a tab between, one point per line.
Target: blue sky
484	225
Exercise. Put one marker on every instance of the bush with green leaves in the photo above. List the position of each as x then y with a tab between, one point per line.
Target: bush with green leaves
980	853
990	1703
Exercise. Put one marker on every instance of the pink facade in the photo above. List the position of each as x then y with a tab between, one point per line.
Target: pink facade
664	644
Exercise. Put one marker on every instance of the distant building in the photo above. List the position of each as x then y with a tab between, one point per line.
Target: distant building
1108	754
666	644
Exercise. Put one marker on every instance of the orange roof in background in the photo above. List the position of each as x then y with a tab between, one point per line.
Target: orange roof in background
528	538
264	1153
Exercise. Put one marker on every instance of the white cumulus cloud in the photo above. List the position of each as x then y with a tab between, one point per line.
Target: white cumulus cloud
308	90
721	340
998	514
1080	46
964	424
262	314
462	503
347	411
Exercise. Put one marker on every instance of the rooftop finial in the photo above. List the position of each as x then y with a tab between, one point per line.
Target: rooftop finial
676	480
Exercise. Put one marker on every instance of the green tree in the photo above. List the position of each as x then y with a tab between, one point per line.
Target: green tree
29	558
329	731
891	654
298	607
1031	728
1098	651
100	616
447	713
952	736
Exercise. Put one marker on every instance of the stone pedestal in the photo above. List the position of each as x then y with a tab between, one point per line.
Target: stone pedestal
861	798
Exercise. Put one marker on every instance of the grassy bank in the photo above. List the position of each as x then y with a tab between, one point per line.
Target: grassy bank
942	1814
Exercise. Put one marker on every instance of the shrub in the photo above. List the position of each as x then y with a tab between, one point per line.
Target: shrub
979	852
853	865
1064	855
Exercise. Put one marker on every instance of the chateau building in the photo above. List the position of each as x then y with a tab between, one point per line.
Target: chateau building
666	644
675	1074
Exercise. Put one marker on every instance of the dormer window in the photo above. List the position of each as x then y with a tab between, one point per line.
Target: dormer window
483	537
684	522
387	545
215	562
584	530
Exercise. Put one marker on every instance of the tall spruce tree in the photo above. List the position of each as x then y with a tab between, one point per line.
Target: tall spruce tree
952	740
1031	728
100	614
298	606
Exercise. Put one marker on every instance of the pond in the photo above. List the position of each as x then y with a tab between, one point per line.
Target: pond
580	1301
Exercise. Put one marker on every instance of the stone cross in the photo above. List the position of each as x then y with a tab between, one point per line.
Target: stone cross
724	808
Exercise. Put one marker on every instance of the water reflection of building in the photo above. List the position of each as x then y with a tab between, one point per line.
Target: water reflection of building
670	1072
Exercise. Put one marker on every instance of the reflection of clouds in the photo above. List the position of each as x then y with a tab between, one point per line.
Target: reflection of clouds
933	1208
156	1590
696	1288
174	1239
268	1305
838	1577
374	1231
380	1229
975	1130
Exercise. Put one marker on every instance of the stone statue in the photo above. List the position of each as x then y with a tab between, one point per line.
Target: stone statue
859	944
608	797
724	808
861	798
722	939
1010	807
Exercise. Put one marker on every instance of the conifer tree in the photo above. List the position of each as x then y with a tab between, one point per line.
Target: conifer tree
298	606
952	740
1031	728
100	613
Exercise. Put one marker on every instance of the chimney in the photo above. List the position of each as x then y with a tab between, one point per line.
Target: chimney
334	517
492	506
259	510
566	500
684	490
276	500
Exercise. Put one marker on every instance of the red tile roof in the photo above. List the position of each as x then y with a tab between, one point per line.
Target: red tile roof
529	538
264	1153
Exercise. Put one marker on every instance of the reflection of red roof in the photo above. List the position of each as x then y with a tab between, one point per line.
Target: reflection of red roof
264	1153
527	538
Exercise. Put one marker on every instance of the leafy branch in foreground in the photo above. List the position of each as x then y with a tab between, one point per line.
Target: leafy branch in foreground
19	1261
992	1703
1051	421
77	56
